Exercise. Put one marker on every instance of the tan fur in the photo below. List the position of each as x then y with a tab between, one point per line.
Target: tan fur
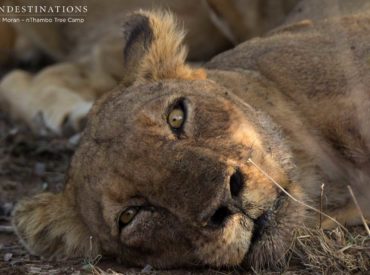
53	88
240	20
294	102
43	207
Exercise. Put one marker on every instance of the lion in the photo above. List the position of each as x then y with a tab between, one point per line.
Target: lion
88	56
181	166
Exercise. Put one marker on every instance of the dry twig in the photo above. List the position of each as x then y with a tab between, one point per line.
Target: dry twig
359	210
321	202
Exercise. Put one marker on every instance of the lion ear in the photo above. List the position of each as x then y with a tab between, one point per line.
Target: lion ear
49	226
154	50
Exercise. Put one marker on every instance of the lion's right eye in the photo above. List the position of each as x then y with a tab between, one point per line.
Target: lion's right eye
127	216
176	118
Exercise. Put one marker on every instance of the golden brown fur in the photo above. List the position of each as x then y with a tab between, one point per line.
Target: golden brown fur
166	56
295	102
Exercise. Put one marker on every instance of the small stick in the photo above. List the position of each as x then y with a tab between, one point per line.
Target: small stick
6	229
321	198
359	210
294	199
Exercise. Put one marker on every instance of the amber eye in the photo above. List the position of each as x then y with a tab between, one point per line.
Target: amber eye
176	118
127	216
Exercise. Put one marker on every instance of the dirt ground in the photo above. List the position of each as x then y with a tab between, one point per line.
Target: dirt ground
31	164
28	165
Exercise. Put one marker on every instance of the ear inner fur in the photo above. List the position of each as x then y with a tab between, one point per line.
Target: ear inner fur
138	36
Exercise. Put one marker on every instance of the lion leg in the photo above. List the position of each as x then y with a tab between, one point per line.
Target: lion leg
63	93
58	94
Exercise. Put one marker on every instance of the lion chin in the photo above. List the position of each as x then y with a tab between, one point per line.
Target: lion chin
163	173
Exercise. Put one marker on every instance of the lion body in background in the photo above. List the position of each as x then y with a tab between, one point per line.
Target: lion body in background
89	55
176	166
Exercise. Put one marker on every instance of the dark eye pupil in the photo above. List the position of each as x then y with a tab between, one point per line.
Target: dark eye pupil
176	118
126	217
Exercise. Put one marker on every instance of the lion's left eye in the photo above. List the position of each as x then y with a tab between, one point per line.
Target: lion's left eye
127	216
176	118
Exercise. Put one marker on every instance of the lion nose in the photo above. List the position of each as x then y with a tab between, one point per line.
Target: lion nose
220	216
236	183
226	209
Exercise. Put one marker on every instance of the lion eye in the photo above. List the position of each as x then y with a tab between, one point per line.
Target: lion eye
176	118
127	216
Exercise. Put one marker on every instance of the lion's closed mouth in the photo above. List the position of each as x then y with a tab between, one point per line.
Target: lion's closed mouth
267	219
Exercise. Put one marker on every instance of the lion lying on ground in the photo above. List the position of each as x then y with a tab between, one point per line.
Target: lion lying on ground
179	166
89	55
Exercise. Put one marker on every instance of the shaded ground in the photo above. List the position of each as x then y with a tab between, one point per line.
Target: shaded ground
29	165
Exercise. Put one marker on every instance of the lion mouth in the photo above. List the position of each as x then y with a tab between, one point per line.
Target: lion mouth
273	233
267	219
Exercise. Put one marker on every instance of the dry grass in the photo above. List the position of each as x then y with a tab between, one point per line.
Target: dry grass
331	251
99	271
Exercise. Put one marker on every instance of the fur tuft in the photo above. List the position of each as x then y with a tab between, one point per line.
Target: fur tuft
49	226
165	55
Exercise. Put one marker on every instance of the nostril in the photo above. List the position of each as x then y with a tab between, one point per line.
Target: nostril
236	183
220	216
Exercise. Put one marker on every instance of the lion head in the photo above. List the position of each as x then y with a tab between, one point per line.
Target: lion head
162	176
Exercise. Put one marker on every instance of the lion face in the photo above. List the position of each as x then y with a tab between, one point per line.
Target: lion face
162	176
180	193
